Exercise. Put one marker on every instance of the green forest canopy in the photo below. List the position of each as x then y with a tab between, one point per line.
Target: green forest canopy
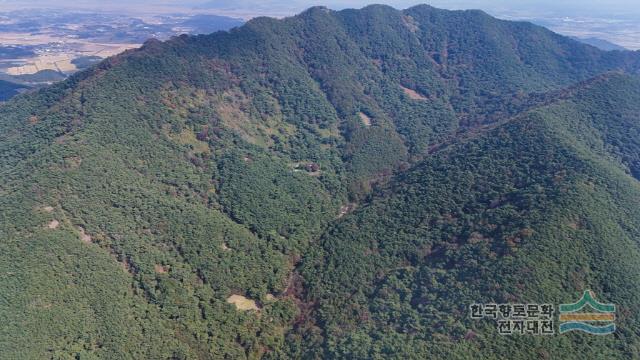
360	177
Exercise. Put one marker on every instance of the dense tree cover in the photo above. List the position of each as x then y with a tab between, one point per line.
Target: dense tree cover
526	211
42	76
140	194
84	62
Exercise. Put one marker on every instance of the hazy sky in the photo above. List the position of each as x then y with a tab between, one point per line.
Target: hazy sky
592	8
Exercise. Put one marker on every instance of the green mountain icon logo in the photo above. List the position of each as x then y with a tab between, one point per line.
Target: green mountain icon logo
572	319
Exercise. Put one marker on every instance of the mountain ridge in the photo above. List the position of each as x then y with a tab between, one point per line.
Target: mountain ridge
212	167
353	274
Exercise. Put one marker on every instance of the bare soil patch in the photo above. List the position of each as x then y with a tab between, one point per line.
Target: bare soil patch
366	120
345	209
412	94
242	303
410	23
161	269
575	225
86	238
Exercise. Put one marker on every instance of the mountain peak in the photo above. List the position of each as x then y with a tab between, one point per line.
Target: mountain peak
353	180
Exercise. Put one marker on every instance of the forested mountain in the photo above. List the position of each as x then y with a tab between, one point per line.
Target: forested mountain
538	207
329	185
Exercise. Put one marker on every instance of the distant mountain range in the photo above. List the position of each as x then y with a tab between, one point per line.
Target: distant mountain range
600	44
46	46
336	184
